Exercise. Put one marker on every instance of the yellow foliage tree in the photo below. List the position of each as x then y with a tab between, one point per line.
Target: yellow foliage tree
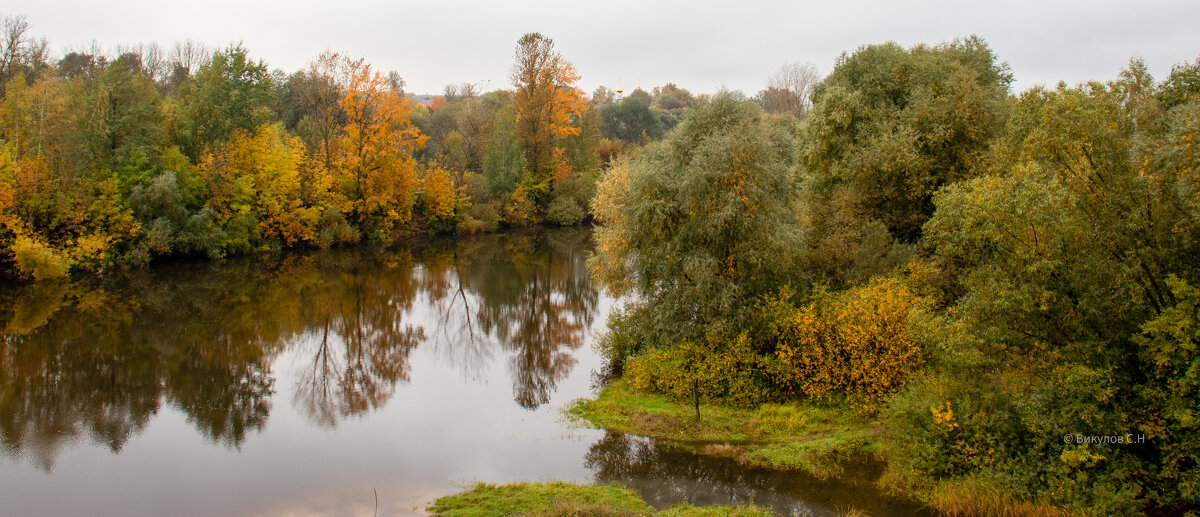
613	246
8	178
31	114
441	197
258	175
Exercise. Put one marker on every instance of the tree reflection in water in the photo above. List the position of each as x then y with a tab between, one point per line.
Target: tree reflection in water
526	294
363	345
538	306
96	359
664	476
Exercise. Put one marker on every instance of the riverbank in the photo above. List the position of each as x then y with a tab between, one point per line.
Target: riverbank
826	441
562	499
818	440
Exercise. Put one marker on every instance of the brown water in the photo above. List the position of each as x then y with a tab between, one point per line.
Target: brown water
328	383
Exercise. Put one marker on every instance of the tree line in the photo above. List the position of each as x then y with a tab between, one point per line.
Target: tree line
115	159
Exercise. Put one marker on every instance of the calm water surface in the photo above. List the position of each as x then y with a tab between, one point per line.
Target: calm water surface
327	383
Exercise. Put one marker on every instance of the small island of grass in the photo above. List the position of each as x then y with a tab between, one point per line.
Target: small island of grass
561	499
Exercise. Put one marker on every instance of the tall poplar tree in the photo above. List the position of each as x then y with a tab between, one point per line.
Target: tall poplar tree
547	100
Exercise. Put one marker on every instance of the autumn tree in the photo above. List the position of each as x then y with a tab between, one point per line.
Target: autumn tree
20	54
378	170
546	100
671	103
459	131
255	188
309	105
573	194
35	122
443	201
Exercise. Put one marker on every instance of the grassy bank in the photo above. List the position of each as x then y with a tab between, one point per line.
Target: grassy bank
823	441
820	440
562	499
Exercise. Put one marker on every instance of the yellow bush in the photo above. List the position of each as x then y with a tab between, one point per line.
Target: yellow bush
520	209
730	371
441	197
38	260
856	342
89	250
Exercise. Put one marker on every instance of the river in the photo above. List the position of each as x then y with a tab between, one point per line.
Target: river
341	382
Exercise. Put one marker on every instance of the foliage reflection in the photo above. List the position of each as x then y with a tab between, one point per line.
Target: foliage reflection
97	359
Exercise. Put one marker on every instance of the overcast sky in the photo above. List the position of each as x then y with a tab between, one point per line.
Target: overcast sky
699	45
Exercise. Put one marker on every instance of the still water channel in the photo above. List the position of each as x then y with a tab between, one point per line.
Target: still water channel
334	383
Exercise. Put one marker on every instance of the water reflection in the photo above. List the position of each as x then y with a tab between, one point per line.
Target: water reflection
664	476
94	360
527	295
360	347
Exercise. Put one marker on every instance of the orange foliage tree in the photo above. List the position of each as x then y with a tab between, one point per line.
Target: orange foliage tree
547	102
378	168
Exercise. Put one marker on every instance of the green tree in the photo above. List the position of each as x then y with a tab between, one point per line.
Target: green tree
1074	257
127	119
503	161
891	125
702	223
229	92
630	120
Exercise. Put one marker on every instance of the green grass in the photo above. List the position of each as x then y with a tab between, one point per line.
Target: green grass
713	511
807	437
565	499
555	498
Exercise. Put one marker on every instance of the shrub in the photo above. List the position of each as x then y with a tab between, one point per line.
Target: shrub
39	261
855	342
481	217
623	340
564	211
520	209
731	371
